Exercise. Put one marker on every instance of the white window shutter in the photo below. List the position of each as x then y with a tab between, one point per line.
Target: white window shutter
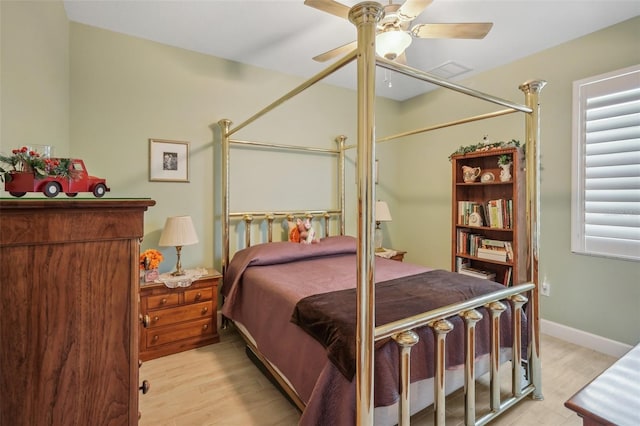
606	165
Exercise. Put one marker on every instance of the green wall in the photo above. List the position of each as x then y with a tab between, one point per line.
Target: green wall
34	75
100	96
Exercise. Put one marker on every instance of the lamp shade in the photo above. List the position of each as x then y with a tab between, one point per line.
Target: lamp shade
391	44
178	231
382	212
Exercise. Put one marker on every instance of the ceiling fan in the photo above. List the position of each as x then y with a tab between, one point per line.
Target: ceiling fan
394	32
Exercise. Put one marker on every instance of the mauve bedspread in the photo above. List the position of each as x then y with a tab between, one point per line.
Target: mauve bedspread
261	288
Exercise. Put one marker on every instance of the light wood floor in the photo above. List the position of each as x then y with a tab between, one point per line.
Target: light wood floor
218	385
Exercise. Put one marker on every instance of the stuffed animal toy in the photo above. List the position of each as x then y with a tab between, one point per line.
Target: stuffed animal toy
301	231
307	233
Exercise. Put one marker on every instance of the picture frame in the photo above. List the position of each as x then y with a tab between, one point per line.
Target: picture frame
168	161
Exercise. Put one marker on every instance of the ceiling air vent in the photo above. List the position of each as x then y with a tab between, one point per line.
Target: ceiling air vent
449	69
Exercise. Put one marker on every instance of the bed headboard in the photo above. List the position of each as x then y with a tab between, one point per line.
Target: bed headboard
263	223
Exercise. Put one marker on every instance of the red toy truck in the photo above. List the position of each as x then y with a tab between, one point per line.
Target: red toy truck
20	183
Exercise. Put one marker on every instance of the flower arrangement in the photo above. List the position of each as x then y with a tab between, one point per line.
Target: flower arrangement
150	259
25	160
504	159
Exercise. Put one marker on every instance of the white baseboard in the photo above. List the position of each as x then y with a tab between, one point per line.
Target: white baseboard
582	338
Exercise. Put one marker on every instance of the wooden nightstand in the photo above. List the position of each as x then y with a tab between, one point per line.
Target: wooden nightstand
398	255
178	319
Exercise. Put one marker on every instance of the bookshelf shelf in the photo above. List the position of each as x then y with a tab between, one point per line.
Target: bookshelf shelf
494	250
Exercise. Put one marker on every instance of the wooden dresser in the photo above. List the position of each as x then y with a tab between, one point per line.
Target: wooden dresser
178	319
612	398
69	311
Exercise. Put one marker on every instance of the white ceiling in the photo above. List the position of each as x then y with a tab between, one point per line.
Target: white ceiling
284	35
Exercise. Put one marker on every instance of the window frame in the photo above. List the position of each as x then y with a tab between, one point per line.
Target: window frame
608	83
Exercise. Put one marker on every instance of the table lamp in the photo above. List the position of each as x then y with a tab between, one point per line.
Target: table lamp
382	215
178	231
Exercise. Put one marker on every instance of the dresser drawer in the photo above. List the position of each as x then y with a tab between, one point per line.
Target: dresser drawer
165	335
179	314
163	301
198	295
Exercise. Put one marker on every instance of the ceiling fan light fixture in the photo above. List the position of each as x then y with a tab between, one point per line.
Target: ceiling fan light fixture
391	44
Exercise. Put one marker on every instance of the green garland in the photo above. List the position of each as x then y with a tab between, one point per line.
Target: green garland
481	146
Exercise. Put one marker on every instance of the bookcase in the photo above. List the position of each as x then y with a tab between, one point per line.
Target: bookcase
491	243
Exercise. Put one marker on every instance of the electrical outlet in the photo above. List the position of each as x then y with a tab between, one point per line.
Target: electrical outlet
545	289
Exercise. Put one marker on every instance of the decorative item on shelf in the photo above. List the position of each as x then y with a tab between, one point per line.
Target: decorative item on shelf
504	161
149	262
382	215
487	177
475	219
178	231
470	174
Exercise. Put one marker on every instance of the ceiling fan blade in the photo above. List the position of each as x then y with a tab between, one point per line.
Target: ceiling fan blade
338	51
329	6
412	8
468	30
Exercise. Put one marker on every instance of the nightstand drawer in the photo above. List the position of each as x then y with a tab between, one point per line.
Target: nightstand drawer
163	301
182	313
198	295
196	329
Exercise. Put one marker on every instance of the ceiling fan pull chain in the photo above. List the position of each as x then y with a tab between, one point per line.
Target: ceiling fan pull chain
387	78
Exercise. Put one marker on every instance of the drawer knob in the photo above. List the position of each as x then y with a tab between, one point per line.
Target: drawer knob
205	327
163	301
155	338
156	318
198	296
205	310
145	387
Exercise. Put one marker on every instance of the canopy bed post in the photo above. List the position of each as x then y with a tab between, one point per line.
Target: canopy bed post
340	140
365	17
532	90
225	125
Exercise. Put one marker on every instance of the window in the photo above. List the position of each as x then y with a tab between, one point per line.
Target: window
606	165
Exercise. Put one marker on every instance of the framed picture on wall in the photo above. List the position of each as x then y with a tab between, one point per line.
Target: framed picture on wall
168	161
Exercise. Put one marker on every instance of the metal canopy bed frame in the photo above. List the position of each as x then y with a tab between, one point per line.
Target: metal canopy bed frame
365	16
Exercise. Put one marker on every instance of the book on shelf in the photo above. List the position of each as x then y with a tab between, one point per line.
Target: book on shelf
492	254
507	277
478	273
500	213
499	245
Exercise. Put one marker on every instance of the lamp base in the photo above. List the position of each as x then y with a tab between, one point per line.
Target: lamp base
377	238
177	273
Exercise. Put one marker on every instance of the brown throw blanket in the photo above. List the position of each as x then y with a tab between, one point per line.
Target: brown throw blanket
331	317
